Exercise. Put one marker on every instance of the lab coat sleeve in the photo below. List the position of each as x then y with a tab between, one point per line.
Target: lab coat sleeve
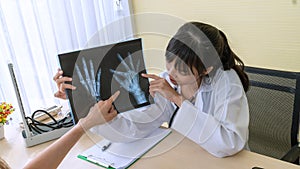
224	132
132	125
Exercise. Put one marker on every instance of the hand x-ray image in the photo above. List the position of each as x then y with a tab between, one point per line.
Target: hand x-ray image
129	78
90	82
99	72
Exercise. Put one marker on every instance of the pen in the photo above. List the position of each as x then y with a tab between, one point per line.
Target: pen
105	147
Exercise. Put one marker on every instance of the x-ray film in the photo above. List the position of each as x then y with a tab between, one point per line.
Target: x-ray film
99	72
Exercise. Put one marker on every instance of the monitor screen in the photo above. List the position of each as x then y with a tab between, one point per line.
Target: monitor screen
99	72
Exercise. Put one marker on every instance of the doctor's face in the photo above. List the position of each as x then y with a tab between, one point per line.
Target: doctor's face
181	77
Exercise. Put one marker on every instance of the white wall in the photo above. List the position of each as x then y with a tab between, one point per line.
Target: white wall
262	33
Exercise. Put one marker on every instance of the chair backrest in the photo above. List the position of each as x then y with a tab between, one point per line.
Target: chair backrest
274	105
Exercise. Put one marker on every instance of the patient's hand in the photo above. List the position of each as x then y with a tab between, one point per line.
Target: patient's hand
101	112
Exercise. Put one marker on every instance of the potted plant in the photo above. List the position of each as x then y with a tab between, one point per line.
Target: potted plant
5	110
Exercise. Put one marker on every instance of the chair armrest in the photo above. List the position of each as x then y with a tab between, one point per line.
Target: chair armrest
292	155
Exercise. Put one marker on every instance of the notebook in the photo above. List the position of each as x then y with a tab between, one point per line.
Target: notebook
122	155
99	72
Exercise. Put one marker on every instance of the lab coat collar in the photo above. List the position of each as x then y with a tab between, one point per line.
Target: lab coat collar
208	83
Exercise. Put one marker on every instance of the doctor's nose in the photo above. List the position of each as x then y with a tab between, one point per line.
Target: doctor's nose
173	72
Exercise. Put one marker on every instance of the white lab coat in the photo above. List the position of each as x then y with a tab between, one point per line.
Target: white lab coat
218	121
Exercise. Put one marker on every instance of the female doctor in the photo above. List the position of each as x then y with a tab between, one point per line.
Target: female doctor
202	94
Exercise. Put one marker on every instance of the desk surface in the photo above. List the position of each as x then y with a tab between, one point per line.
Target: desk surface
173	152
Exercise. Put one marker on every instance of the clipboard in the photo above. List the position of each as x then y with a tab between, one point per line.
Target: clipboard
122	155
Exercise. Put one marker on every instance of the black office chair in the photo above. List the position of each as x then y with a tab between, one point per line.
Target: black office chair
274	105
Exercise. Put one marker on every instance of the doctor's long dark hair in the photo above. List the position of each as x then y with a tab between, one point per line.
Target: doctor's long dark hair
201	45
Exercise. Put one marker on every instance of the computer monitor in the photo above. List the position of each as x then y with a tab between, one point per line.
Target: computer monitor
100	71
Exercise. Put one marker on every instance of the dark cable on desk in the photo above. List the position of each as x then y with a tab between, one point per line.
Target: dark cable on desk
35	125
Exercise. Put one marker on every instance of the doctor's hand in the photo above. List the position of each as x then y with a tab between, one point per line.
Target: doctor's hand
129	80
100	113
61	85
162	86
91	84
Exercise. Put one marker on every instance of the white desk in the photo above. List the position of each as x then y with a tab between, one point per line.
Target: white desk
173	152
